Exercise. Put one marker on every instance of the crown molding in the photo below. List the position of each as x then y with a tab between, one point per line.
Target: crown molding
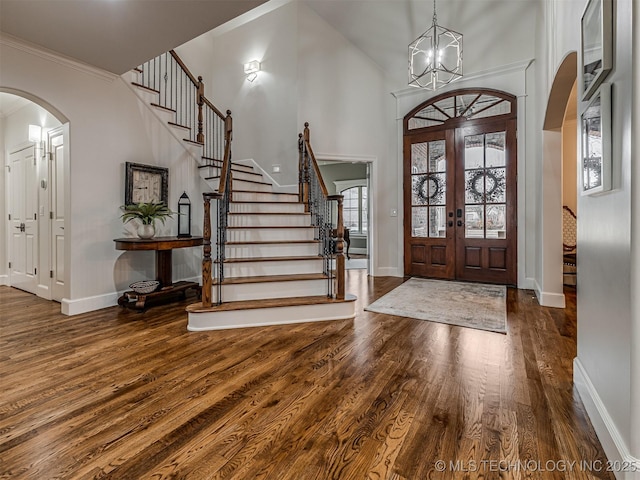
41	52
502	70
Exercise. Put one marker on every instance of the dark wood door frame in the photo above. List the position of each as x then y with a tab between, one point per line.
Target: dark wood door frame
458	255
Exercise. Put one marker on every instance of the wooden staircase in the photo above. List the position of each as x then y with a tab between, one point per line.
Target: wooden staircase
272	266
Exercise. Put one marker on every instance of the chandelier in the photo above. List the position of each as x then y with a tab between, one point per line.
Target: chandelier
435	57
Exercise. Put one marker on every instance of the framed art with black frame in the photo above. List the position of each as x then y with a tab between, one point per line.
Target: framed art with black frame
596	45
595	141
146	184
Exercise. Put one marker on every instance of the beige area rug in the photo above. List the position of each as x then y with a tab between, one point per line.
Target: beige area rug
473	305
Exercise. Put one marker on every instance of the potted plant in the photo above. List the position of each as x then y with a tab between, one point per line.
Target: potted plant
147	213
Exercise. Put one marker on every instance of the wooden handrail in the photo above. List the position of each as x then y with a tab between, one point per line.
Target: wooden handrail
212	107
305	190
313	160
184	67
226	163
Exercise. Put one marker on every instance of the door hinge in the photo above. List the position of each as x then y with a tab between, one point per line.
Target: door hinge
50	273
35	271
8	168
50	155
35	216
9	264
50	215
9	216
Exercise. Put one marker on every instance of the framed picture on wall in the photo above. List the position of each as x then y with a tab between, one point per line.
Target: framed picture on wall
595	148
597	52
146	184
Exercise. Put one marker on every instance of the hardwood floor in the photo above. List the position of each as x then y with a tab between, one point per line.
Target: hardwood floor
125	395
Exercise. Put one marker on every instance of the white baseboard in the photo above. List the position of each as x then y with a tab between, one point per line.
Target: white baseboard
547	299
89	304
527	283
4	280
387	272
610	439
43	291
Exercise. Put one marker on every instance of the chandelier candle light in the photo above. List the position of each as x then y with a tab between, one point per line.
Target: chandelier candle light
435	57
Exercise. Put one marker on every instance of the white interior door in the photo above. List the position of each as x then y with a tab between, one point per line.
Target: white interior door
23	208
57	188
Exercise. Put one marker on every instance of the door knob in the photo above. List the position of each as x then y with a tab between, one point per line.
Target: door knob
451	223
460	223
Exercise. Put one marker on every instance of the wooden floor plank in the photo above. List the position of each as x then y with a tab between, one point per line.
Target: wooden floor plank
126	395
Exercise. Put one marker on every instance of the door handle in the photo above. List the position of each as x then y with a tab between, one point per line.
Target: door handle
460	223
22	227
451	223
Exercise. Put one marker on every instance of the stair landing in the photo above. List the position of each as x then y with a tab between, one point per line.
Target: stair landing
271	311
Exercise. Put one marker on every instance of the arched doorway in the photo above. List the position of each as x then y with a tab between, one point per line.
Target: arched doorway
35	154
460	167
551	196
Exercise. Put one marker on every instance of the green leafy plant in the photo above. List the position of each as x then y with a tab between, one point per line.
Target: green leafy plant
147	213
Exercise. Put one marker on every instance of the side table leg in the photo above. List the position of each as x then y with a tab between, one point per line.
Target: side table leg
163	268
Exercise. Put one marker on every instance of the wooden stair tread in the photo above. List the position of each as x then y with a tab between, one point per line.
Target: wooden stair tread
174	124
297	277
162	107
139	85
193	142
253	181
269	259
266	193
268	303
270	213
270	226
274	242
267	202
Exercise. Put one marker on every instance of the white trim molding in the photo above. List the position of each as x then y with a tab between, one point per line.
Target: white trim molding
612	443
32	49
548	299
4	280
88	304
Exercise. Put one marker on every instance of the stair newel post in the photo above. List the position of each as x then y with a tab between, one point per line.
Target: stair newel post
200	137
340	288
206	258
228	134
306	170
300	168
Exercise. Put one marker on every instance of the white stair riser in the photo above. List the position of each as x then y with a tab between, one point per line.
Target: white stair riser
165	115
236	207
269	234
145	95
236	175
258	291
213	184
272	250
254	187
253	220
270	316
272	267
263	197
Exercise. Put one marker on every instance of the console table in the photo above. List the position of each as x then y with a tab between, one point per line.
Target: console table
163	246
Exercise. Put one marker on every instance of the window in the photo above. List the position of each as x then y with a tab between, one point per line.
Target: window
355	209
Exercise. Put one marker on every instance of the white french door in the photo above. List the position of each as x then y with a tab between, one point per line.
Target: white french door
23	219
55	147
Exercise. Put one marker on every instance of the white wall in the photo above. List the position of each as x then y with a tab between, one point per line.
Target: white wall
309	73
605	326
108	127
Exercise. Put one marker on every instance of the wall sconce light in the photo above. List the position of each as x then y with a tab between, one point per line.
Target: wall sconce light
251	70
184	216
35	133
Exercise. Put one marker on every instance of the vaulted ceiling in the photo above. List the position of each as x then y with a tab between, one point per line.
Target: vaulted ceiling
116	35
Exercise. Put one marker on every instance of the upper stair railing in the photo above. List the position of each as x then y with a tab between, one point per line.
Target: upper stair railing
179	91
313	193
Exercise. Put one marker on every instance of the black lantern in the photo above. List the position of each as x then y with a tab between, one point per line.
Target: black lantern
184	216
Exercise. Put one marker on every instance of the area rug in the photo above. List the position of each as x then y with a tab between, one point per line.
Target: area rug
473	305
